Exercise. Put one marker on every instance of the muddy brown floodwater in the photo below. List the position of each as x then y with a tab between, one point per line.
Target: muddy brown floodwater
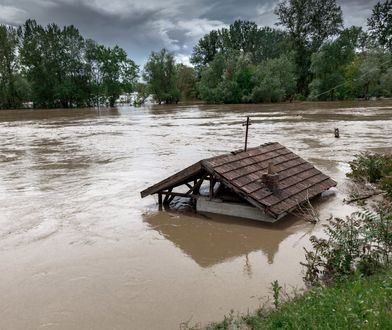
79	249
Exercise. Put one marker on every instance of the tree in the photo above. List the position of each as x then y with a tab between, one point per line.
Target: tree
372	71
206	49
143	93
10	79
243	36
95	75
52	59
117	73
73	87
380	24
227	79
65	71
386	83
186	82
160	75
274	80
309	23
329	65
210	78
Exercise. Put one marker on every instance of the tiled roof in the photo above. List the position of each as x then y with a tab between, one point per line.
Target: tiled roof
298	179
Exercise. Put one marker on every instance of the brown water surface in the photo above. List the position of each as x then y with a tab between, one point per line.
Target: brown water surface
79	249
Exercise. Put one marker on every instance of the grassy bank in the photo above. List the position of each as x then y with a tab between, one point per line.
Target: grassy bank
355	303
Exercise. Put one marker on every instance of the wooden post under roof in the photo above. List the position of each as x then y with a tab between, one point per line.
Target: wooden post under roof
212	184
160	201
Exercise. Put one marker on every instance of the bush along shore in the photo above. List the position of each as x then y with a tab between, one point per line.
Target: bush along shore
349	271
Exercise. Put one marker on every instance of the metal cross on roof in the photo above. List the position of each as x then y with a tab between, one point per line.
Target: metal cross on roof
247	124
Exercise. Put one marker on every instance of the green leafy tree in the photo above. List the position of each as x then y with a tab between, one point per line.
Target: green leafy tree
329	66
73	86
143	92
309	23
206	49
271	43
93	64
243	36
380	24
386	83
160	75
11	95
373	68
53	61
186	82
117	73
227	79
211	77
275	80
64	70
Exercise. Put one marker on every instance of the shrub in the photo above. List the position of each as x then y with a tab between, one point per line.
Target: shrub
374	168
361	242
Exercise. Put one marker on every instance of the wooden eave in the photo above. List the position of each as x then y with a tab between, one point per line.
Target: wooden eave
175	180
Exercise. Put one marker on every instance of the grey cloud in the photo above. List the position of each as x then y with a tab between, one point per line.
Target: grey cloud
140	26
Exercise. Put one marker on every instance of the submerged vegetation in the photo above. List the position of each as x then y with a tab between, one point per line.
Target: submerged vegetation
373	168
310	55
349	269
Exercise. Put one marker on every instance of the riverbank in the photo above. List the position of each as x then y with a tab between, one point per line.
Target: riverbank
355	303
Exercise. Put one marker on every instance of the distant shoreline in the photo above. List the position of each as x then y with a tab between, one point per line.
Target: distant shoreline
198	102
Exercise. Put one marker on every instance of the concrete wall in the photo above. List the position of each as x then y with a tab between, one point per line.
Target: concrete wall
204	205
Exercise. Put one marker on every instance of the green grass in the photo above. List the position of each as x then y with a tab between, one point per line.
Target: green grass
356	303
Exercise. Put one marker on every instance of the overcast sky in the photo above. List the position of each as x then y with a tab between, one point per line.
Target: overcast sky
140	26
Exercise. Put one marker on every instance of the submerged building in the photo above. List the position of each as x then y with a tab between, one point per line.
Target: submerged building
263	183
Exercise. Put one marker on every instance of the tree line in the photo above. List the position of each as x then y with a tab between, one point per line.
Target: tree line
313	57
56	67
310	55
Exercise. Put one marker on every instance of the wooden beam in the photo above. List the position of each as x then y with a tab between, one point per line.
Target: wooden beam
160	201
171	199
196	187
176	194
212	184
166	200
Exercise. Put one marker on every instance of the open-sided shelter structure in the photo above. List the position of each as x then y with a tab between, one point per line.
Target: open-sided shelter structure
263	183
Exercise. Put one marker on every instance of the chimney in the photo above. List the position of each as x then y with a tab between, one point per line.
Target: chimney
271	179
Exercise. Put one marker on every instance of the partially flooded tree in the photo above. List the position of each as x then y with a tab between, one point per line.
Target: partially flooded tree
52	59
115	71
227	79
160	75
65	70
186	82
275	80
309	23
13	86
372	71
